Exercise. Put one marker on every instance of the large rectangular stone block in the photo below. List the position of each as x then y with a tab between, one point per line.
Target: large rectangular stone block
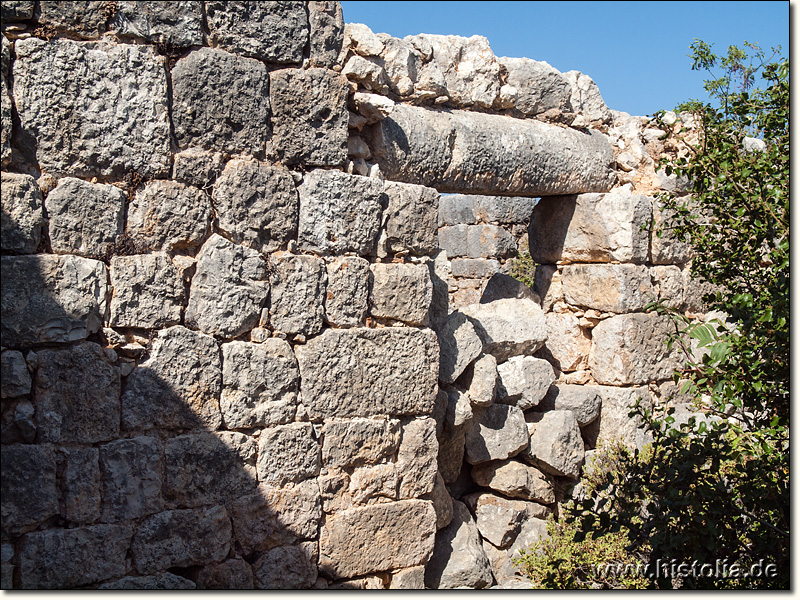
607	288
287	454
411	218
297	294
22	216
81	484
28	485
357	442
176	23
131	473
401	291
148	291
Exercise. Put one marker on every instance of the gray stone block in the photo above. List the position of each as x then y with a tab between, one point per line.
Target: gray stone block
287	453
459	345
232	574
166	581
132	470
475	268
539	86
402	292
607	288
174	23
556	445
326	23
524	381
495	432
84	19
416	463
457	209
505	210
17	10
148	292
81	484
297	296
22	216
16	380
29	492
347	291
357	442
516	480
489	241
197	166
287	567
508	327
411	218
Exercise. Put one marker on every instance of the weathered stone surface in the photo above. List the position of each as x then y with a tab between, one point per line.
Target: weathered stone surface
165	581
6	105
506	210
22	216
607	288
508	327
232	574
459	345
668	285
86	19
309	116
347	291
17	421
29	492
373	484
451	453
287	568
275	32
401	291
148	291
489	241
259	384
16	380
453	240
516	480
539	86
365	372
178	386
502	286
76	393
168	216
412	578
556	444
457	209
296	303
567	343
80	482
131	471
69	558
591	228
176	23
547	283
180	538
197	166
482	378
220	101
495	433
377	538
442	502
411	218
459	409
339	213
473	152
614	424
524	381
632	349
326	24
51	299
114	112
532	531
585	97
357	442
666	248
273	517
474	267
499	519
583	401
458	558
17	10
228	290
287	453
256	204
416	463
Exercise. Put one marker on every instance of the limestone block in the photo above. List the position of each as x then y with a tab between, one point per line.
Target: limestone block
17	423
347	291
442	502
220	101
668	285
169	216
412	578
86	19
502	286
459	345
470	152
524	381
29	492
114	113
495	433
539	86
178	386
259	384
228	290
357	442
583	401
457	209
131	471
505	210
370	75
326	24
508	327
607	288
665	247
453	240
197	166
499	519
232	574
22	216
614	424
287	567
567	343
585	97
532	531
174	23
451	453
16	380
256	204
411	218
165	581
401	291
459	409
474	267
365	372
339	213
6	107
296	302
483	380
516	480
358	541
148	291
489	241
70	558
416	463
547	284
556	445
275	32
372	484
17	10
309	116
80	484
287	453
180	538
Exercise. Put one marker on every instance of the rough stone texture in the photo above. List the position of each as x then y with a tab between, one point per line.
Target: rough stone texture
326	23
197	166
506	210
347	291
568	345
411	218
474	267
232	574
459	345
17	421
502	286
459	409
583	401
547	283
508	327
275	32
309	116
51	299
591	228
632	349
377	538
585	97
453	240
113	112
365	372
479	153
228	290
76	393
539	86
86	19
220	101
668	285
169	216
287	567
288	453
458	558
416	464
373	484
296	304
17	10
16	380
489	241
148	291
607	288
456	209
180	538
256	204
175	23
495	433
412	578
614	423
442	502
482	377
556	444
131	471
178	386
29	492
166	581
401	291
22	216
69	558
339	213
516	480
357	442
666	249
524	381
451	453
499	519
259	384
6	104
80	481
532	531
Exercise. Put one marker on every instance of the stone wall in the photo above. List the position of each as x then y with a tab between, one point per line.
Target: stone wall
246	343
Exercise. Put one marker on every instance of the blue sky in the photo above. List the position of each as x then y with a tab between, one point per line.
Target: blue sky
635	51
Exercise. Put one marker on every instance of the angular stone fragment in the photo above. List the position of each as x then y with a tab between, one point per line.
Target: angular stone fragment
148	292
228	290
287	567
459	409
180	538
174	23
585	97
359	441
132	471
567	343
17	10
583	401
22	216
533	531
508	327
16	380
256	204
453	240
411	218
197	166
373	484
347	291
114	113
499	519
442	502
556	444
665	247
221	102
377	538
489	241
451	453
70	558
416	463
275	32
29	492
287	453
401	291
539	86
309	116
326	23
470	152
412	578
482	377
495	433
17	421
365	372
232	574
459	345
6	104
615	424
296	303
516	480
166	581
607	288
339	213
524	381
178	386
